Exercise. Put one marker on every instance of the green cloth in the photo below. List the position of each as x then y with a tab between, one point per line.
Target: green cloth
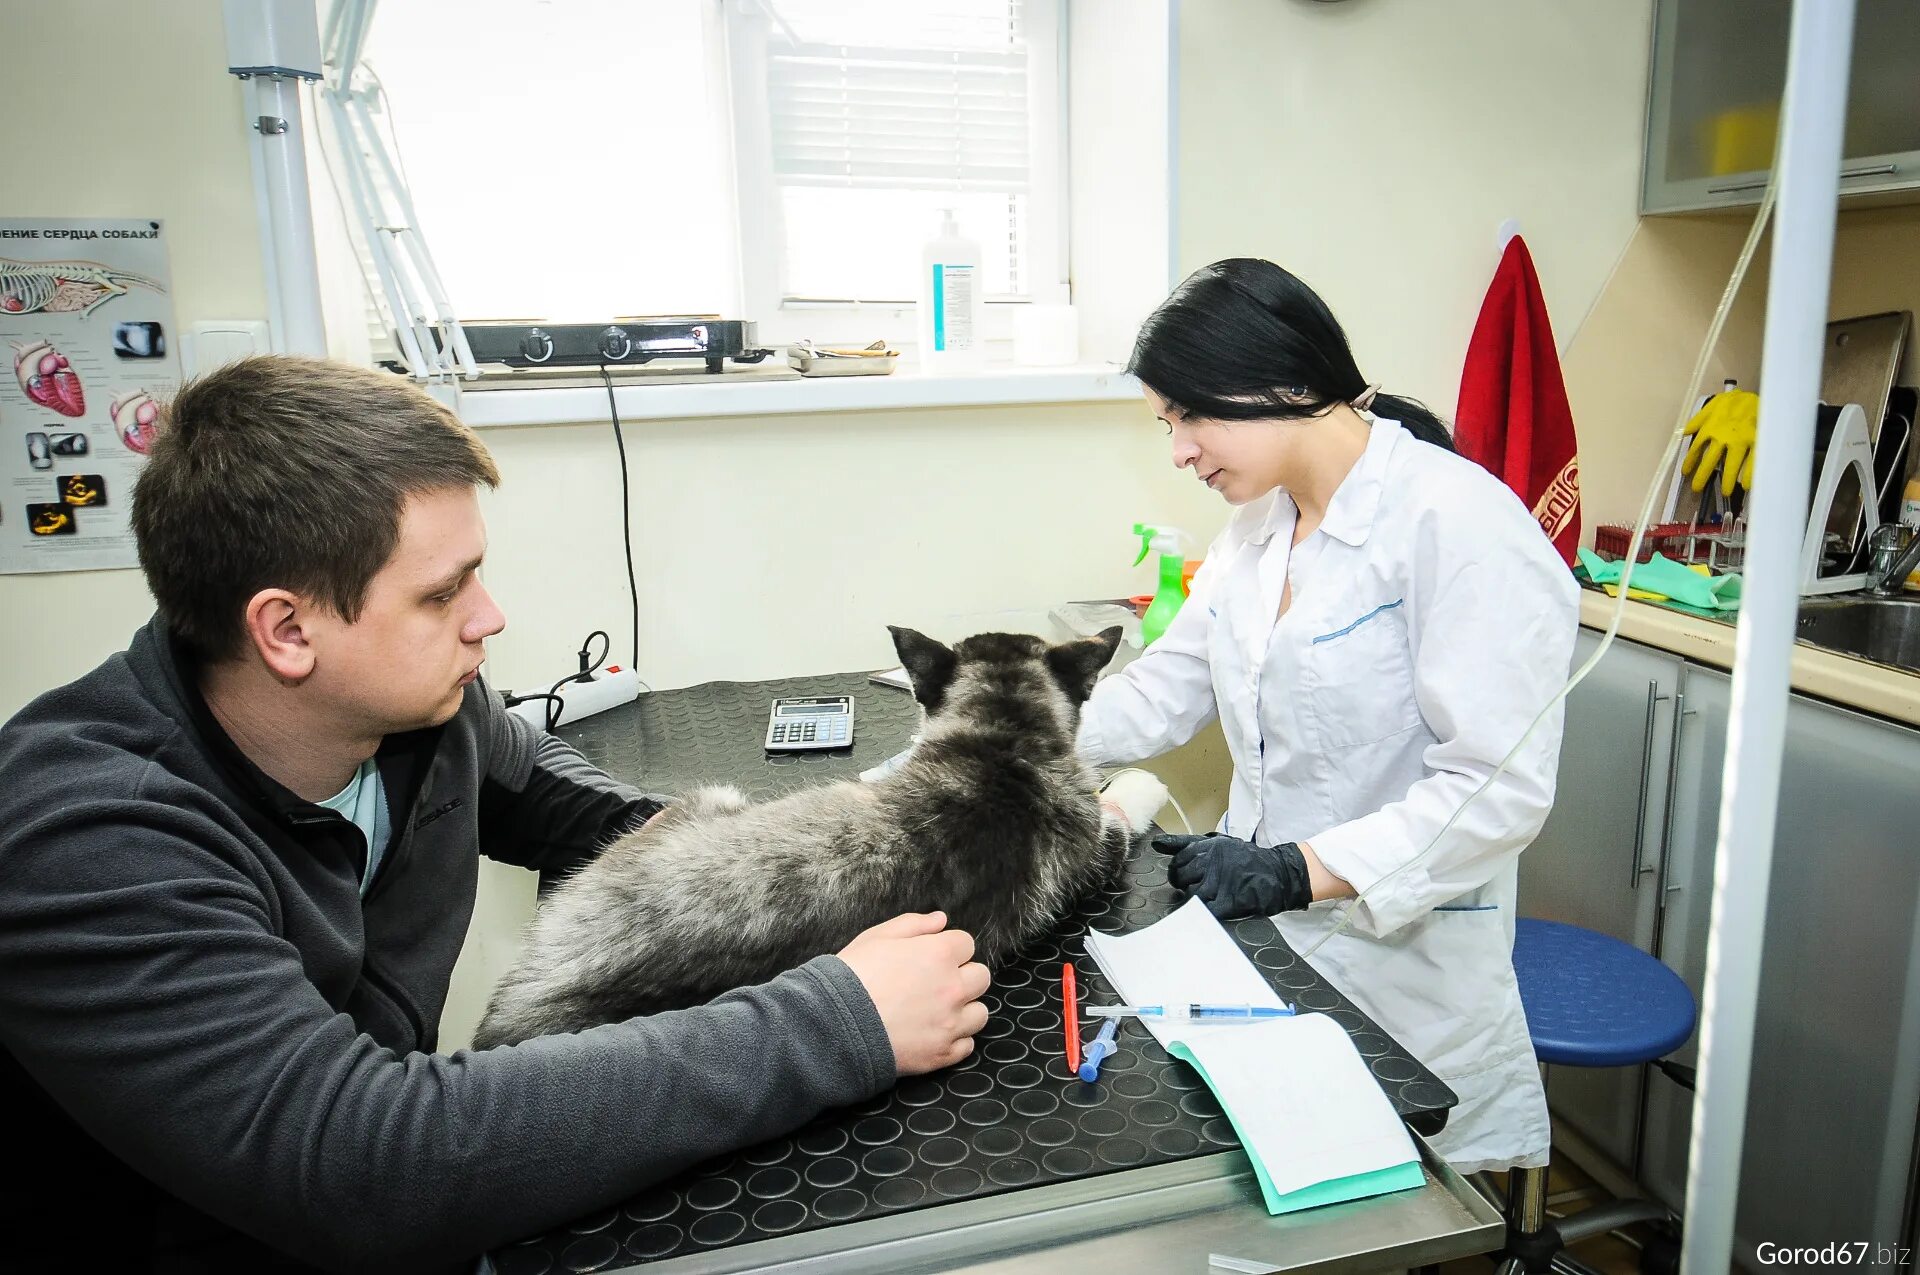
1398	1177
1668	579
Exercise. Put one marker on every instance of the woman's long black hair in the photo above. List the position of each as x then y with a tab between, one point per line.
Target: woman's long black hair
1243	339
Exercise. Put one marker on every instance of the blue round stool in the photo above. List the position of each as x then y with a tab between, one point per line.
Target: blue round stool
1591	1001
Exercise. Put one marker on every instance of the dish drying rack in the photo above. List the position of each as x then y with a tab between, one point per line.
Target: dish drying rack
1716	536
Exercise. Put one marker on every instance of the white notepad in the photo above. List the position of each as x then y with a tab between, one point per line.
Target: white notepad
1308	1111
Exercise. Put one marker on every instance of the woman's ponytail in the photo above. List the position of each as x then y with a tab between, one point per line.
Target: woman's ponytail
1415	417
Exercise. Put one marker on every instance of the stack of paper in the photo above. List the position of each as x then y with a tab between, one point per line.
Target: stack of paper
1308	1111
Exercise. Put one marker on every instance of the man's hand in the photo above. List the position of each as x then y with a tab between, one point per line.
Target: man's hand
926	985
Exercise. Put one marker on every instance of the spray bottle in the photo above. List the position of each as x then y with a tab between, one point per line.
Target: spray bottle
1171	544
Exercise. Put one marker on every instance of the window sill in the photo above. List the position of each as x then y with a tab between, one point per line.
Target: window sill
992	387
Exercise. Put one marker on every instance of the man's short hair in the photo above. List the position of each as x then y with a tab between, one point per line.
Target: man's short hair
285	472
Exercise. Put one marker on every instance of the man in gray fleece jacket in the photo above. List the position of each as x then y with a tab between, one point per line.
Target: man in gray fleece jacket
237	862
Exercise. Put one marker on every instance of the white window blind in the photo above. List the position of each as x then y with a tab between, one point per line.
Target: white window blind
900	96
880	114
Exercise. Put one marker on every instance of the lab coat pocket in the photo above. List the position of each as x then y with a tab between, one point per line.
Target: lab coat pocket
1472	999
1359	678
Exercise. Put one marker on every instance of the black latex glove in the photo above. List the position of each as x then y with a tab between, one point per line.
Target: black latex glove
1236	878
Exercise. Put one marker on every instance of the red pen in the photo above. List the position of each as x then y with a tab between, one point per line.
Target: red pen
1070	1015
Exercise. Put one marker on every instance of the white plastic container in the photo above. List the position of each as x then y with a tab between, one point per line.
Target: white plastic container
949	305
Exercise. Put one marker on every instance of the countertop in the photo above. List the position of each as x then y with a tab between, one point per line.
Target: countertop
1709	639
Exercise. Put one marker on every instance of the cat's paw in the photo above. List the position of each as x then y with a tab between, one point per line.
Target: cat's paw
1136	797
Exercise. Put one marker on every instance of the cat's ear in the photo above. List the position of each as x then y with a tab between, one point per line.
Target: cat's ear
1076	665
929	665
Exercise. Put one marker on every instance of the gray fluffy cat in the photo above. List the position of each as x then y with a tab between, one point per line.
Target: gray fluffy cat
993	819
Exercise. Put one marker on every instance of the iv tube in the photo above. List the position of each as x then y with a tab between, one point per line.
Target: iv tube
1689	395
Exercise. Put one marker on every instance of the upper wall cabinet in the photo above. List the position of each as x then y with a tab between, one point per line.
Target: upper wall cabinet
1719	69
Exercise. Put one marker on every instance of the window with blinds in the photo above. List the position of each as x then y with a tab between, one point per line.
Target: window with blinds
852	124
871	117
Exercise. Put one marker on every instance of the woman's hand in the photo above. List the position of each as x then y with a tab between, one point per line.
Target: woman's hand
1236	878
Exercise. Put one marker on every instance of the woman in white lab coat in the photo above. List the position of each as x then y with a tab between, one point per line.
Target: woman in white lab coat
1376	628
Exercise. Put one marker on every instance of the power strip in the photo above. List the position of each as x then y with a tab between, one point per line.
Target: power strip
607	688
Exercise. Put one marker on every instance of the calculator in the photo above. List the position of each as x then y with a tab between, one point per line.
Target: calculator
805	722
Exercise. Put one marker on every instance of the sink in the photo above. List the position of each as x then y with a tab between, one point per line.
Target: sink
1884	630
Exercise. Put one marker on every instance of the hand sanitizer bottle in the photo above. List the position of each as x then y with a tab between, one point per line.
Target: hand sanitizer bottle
949	307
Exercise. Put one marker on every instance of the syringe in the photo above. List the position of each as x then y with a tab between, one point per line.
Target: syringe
1191	1010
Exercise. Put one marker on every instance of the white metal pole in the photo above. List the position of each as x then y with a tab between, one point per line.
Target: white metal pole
1809	179
290	213
263	218
273	45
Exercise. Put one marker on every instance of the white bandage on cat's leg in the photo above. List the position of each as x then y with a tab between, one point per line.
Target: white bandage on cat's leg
874	774
1135	797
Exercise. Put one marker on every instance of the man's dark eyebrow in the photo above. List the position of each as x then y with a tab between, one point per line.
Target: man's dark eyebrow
452	580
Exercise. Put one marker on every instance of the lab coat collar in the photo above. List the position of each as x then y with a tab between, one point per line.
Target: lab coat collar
1351	513
1277	517
1355	502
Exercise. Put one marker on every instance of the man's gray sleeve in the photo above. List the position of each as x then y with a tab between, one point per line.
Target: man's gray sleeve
543	805
146	989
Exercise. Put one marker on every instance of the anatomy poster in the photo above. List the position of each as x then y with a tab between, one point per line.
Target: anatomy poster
86	318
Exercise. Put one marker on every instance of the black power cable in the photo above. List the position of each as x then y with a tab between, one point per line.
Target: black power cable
626	513
589	665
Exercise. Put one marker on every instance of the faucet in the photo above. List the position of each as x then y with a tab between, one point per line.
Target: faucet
1896	554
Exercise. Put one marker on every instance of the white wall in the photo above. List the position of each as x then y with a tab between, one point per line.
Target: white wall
784	545
1119	78
155	129
1374	147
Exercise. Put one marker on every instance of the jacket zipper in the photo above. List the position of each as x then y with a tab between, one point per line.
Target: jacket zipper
371	972
400	1000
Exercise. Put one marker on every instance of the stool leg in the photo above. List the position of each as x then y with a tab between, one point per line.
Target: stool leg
1565	1265
1526	1200
1611	1216
1532	1240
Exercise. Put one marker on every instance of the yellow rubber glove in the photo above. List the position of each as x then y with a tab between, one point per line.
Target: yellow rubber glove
1723	433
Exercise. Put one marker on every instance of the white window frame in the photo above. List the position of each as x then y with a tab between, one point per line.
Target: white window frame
757	203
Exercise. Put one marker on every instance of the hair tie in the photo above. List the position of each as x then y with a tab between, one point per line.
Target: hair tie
1364	399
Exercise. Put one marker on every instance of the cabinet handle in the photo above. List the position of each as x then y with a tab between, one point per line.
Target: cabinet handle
1646	772
1876	170
1680	713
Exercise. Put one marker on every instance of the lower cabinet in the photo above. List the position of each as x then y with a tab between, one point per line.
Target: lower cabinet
1597	860
1835	1091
